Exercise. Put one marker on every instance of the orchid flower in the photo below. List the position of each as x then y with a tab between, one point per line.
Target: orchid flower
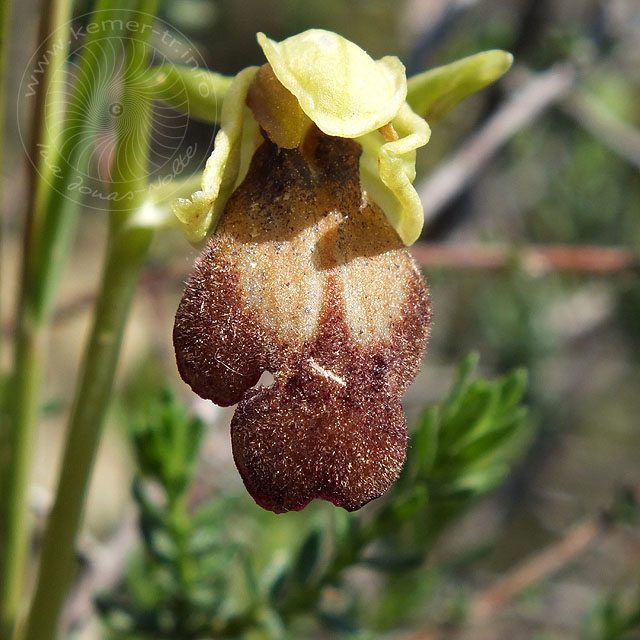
308	207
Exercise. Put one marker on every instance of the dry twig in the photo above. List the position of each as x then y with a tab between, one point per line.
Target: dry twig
535	259
472	255
534	569
602	124
538	567
488	602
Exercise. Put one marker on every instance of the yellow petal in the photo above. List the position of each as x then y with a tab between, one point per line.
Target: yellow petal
226	165
387	171
338	85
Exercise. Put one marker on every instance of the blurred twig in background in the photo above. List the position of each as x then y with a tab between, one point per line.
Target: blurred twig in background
537	260
614	133
521	109
574	541
534	259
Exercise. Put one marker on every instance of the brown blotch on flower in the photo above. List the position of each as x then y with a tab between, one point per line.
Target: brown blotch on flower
305	278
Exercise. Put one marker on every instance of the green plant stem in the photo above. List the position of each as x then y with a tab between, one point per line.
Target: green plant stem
47	117
18	423
5	14
14	511
49	228
125	256
183	566
54	233
126	251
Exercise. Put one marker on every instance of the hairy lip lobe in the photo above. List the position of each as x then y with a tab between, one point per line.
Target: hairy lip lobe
305	278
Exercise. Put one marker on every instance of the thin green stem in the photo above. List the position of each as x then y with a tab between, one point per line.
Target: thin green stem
14	510
49	228
47	117
183	565
60	204
126	252
5	14
17	431
125	256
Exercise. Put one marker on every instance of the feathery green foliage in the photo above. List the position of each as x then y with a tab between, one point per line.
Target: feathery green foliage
609	620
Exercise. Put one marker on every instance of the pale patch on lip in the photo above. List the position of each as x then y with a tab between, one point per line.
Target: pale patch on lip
325	373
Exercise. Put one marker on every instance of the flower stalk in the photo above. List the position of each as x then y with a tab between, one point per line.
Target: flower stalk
125	254
18	422
5	14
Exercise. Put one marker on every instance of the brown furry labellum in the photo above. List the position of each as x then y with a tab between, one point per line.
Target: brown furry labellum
305	278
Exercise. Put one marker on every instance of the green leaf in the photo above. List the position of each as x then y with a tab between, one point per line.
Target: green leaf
146	506
197	92
279	585
116	616
166	442
424	443
466	447
514	387
338	622
465	371
204	540
502	442
250	579
271	625
468	416
308	557
407	505
396	563
432	94
609	619
478	482
481	415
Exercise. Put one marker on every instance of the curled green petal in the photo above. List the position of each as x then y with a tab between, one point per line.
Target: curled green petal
434	93
387	171
338	85
196	92
235	142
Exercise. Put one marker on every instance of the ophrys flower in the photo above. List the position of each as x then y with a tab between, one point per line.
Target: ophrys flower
308	204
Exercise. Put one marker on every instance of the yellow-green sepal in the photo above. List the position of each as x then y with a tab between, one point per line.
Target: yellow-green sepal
196	92
388	169
432	94
226	167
